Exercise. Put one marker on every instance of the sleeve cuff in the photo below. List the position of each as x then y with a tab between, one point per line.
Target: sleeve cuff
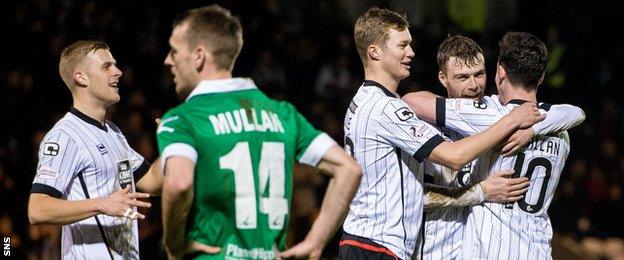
177	149
317	148
46	189
426	148
141	171
440	112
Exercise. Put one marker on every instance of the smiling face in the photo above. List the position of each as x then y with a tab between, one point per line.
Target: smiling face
99	73
464	79
397	54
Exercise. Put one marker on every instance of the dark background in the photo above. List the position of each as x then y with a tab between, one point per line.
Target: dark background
303	52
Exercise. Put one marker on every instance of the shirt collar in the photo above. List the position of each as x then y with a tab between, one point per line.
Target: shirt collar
88	119
221	85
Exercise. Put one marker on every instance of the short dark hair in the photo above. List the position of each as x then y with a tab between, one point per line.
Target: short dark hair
218	29
524	57
373	27
461	47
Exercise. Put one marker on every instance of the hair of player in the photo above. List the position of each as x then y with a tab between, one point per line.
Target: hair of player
73	55
373	27
463	48
524	58
217	29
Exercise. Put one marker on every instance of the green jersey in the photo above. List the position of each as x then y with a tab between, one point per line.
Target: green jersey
244	145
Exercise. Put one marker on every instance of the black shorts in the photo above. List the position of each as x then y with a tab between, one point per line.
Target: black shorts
354	247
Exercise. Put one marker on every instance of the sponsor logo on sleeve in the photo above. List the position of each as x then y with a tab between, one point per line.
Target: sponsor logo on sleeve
404	113
50	148
46	172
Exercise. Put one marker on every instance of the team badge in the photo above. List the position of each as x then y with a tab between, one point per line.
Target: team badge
102	148
50	148
404	113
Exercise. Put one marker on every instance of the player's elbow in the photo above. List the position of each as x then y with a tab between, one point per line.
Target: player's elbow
177	185
35	214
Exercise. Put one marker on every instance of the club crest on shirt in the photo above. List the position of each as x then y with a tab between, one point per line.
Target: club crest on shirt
124	173
404	113
50	148
102	148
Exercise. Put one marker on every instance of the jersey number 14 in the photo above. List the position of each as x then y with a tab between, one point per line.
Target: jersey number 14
270	171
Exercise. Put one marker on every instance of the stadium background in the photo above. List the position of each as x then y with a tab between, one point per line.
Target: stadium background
303	52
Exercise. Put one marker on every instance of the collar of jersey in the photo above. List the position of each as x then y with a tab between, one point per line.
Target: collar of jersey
369	83
221	85
88	119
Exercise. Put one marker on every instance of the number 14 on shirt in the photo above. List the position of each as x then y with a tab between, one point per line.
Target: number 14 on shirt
271	169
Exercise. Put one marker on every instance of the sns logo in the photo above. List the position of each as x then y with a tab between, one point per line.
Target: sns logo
6	246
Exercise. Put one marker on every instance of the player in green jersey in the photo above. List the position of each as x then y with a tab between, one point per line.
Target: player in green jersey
228	153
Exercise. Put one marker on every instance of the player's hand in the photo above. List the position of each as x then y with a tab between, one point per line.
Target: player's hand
516	141
122	203
501	188
193	247
306	249
526	115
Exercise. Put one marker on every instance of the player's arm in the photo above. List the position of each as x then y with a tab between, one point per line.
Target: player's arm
177	196
345	176
455	154
559	118
46	209
500	188
423	103
152	181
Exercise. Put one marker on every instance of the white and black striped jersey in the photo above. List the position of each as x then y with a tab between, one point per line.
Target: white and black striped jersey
79	158
388	141
444	227
520	230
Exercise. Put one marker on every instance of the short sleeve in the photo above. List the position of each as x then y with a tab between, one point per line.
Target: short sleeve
399	126
175	137
466	116
311	144
60	161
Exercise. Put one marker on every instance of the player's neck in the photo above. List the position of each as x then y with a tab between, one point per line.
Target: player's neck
516	92
382	77
97	112
213	75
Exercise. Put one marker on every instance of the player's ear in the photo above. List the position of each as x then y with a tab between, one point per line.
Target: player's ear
442	78
200	56
501	74
541	79
81	78
374	52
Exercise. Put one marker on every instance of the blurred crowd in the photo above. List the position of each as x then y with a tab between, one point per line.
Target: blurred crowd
303	52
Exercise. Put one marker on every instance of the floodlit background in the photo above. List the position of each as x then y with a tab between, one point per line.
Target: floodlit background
303	52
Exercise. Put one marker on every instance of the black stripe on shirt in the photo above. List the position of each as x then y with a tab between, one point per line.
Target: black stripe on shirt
46	189
141	171
97	220
440	112
426	148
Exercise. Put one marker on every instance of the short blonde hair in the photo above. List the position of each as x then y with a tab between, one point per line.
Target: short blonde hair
73	55
218	29
373	28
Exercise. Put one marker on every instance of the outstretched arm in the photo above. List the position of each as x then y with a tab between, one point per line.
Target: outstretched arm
559	118
456	154
45	209
345	174
152	181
